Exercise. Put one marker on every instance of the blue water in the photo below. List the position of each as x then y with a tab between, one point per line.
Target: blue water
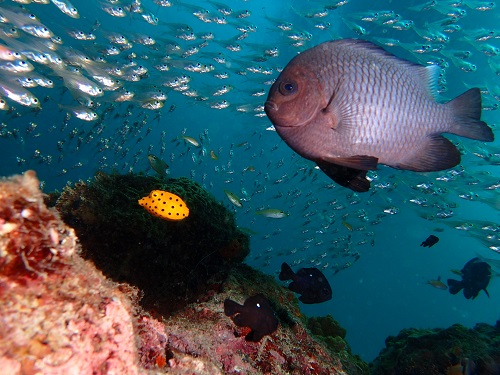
372	258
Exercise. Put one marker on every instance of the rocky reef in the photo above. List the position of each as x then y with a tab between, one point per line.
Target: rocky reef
169	262
63	315
454	350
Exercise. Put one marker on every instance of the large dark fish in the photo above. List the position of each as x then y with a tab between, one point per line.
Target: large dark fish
349	105
255	313
310	283
476	276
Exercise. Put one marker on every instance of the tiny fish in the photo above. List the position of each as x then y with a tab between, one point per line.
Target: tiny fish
256	313
233	198
430	241
438	284
158	165
347	225
457	272
309	282
165	205
191	140
273	213
348	105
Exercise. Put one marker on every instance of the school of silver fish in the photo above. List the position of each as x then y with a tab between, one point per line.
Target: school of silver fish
112	84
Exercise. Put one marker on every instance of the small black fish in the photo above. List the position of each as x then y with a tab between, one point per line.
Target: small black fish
476	276
255	313
309	282
430	241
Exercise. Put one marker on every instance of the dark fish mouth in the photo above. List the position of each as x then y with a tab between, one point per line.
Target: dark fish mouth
270	106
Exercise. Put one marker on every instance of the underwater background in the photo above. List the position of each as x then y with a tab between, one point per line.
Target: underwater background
209	69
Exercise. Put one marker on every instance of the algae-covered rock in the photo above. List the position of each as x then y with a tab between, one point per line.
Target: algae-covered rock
441	351
169	261
328	331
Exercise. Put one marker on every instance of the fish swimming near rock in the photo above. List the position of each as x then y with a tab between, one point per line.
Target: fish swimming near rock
348	105
158	165
256	313
165	205
310	283
476	276
430	241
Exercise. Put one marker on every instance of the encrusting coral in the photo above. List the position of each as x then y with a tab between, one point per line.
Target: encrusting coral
441	351
59	314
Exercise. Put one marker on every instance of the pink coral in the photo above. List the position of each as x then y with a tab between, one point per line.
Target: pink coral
59	314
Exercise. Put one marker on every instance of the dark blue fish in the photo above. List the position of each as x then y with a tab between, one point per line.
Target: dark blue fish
430	241
476	276
255	313
309	282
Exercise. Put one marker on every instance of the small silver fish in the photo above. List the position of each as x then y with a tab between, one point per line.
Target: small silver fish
158	165
272	213
233	198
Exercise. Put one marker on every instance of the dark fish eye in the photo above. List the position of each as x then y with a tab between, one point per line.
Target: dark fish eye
287	87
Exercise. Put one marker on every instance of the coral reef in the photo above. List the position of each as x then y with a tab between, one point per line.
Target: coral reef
60	315
289	350
32	238
168	261
328	330
441	351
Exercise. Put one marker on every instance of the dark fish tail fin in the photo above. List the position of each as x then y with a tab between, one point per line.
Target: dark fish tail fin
454	286
466	110
231	307
286	272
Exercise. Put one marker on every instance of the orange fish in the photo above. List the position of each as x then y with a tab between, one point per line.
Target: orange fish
166	205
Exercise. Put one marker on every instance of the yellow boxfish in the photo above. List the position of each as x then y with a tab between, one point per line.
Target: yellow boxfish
165	205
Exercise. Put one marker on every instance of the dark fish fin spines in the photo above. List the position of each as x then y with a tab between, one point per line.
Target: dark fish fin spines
435	154
466	110
454	286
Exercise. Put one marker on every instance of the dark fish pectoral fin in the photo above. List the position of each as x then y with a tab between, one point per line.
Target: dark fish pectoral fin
486	292
354	179
231	307
436	153
454	286
466	110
